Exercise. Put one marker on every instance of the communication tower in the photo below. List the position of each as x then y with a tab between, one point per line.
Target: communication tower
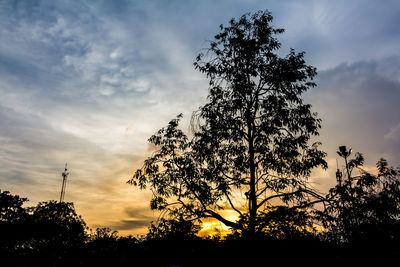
64	183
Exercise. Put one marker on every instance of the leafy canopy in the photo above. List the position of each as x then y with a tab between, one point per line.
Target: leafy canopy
251	141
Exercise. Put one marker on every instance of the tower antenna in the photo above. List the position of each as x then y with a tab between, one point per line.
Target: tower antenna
338	174
64	183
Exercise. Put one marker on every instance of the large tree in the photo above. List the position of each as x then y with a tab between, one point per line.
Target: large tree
250	146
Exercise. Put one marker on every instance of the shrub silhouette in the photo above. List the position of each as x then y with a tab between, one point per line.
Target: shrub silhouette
364	208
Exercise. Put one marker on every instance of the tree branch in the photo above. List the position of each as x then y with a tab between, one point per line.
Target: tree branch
232	206
291	194
223	220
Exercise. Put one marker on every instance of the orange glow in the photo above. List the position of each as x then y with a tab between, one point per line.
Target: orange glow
212	227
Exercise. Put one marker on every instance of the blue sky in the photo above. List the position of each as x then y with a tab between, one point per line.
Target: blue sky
87	82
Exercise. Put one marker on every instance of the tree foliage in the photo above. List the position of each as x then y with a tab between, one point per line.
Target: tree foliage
251	140
57	225
283	223
46	234
13	220
11	209
173	229
364	207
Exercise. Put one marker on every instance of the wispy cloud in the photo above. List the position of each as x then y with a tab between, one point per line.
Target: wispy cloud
359	106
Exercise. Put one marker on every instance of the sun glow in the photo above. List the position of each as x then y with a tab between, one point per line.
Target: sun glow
212	227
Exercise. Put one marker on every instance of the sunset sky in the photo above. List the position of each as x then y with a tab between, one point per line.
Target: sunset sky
88	82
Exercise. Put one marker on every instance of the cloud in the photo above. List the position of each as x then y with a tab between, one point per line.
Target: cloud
341	31
72	80
358	103
394	133
139	212
137	219
130	224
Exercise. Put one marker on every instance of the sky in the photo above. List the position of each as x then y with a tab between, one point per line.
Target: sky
88	82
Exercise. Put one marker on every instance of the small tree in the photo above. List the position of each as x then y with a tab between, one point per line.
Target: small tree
40	235
364	207
11	209
56	226
174	229
13	221
283	223
250	144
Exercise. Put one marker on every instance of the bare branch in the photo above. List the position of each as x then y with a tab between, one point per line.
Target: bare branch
232	206
291	194
223	220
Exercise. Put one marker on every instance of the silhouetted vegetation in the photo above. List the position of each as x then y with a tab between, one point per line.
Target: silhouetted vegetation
13	222
177	229
282	223
364	208
360	225
250	144
46	233
253	134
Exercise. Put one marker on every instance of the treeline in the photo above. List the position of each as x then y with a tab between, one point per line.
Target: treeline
359	223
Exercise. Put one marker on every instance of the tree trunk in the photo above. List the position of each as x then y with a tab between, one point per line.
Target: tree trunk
252	194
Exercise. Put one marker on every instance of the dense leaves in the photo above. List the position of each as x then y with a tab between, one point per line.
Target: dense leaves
11	209
173	229
13	221
43	234
281	223
57	226
364	208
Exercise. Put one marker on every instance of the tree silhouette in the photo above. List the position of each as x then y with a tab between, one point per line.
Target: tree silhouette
364	208
13	221
283	223
106	248
11	209
104	234
56	227
251	137
42	235
174	229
